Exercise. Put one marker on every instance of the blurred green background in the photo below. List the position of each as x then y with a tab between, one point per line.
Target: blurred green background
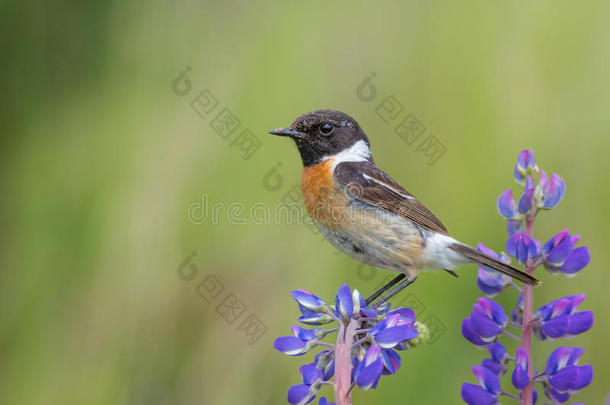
100	160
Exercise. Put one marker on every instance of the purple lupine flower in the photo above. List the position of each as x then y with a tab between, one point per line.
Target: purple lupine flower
485	323
551	190
525	202
324	401
488	390
490	281
575	260
407	316
534	396
314	311
369	370
521	247
517	314
299	394
498	363
391	331
344	303
293	345
470	335
507	206
305	334
520	378
325	362
310	374
308	300
563	376
559	318
374	333
578	260
304	393
525	165
513	227
391	361
559	247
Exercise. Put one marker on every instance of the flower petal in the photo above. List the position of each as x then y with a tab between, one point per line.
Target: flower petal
406	314
487	379
556	327
521	246
525	160
391	361
290	345
553	192
559	248
492	366
507	206
470	335
572	378
520	378
525	202
562	357
369	370
492	282
369	375
474	395
302	333
390	337
492	309
497	352
313	318
517	314
299	394
310	374
557	396
483	326
580	322
308	300
513	227
577	261
357	299
344	302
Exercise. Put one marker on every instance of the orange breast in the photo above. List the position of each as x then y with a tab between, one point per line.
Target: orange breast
324	201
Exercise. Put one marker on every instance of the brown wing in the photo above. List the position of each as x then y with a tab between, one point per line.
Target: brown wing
370	184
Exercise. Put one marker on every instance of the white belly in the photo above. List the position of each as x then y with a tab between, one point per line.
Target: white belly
392	242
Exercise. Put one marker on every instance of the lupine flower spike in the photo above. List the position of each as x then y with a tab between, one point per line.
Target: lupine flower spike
366	346
559	319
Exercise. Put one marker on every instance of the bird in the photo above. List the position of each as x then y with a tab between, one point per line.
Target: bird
365	213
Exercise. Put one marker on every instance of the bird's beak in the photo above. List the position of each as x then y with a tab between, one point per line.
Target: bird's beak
287	132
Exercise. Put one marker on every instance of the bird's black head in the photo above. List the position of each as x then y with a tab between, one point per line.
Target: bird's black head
323	133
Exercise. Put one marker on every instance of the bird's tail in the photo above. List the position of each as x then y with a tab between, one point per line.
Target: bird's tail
494	264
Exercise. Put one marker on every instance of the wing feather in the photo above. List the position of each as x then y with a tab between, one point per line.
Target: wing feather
372	185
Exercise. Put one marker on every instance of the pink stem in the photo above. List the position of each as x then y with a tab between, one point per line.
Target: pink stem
343	363
528	304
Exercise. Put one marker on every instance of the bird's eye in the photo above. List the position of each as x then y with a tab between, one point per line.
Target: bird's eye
326	128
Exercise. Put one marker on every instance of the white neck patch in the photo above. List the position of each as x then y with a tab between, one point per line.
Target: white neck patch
358	152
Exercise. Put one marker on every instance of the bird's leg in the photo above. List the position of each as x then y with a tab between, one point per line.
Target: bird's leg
393	291
385	288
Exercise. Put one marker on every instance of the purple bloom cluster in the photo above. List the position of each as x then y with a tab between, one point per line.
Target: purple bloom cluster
559	319
374	337
562	376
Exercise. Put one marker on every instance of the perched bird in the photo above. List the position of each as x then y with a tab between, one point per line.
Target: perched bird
365	213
